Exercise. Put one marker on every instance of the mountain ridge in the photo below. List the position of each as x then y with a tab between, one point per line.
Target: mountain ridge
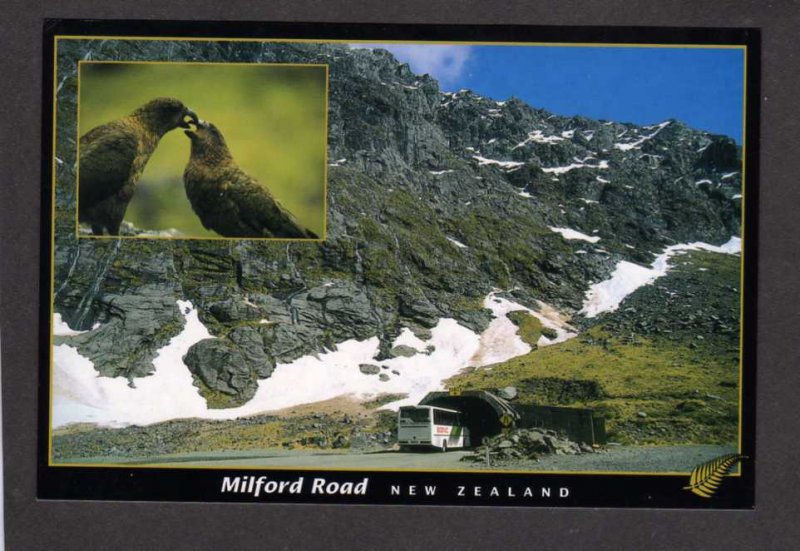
434	200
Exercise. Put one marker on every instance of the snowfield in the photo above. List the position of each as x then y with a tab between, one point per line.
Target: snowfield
80	394
607	295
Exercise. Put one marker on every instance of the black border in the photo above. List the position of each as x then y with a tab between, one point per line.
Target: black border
592	490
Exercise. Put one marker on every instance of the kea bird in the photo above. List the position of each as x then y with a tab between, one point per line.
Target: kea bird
113	156
228	200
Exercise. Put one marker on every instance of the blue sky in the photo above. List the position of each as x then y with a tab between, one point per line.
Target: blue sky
702	87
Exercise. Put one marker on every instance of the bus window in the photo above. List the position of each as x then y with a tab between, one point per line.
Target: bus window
414	415
444	418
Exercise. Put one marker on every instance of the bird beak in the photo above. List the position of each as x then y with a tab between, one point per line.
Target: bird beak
192	132
193	119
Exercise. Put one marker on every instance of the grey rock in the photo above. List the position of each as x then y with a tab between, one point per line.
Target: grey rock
508	393
369	369
404	351
222	368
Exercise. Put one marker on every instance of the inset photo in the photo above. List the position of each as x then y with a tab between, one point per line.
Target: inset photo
202	150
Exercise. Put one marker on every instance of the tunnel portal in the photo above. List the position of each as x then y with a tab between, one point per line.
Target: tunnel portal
484	413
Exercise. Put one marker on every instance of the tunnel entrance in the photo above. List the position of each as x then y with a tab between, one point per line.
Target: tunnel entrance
484	413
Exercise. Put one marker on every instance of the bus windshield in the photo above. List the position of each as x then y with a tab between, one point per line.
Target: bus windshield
415	415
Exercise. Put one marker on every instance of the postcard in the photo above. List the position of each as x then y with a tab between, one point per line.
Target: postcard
399	264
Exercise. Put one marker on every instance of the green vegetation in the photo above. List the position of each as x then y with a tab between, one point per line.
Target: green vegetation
273	118
382	400
530	328
302	431
660	371
686	395
214	398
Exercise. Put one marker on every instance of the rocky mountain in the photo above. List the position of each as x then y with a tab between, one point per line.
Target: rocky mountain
434	200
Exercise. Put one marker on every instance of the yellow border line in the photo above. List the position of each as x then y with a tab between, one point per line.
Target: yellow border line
742	208
744	48
211	237
154	465
54	169
378	41
78	154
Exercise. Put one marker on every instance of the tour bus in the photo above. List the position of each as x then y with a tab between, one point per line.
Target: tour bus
429	426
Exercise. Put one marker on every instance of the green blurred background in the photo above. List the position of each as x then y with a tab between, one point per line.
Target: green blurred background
272	116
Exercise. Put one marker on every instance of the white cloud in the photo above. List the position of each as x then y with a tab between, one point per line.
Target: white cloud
444	62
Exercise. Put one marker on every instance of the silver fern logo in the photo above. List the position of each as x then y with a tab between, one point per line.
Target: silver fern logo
707	477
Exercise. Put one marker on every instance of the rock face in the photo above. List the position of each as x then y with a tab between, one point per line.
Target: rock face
440	198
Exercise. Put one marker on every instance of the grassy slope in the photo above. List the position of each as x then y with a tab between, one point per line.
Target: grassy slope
673	360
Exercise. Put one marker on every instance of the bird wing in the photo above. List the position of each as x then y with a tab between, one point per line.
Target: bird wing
107	155
260	211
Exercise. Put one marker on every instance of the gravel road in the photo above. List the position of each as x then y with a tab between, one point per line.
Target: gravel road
680	459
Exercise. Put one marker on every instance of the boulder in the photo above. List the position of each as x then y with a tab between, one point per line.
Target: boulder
369	369
402	350
508	393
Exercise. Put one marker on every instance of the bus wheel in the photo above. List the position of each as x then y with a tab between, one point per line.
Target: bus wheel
405	449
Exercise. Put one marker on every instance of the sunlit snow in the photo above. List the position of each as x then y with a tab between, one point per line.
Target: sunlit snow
607	295
458	244
538	136
572	166
568	233
638	143
81	395
483	161
60	327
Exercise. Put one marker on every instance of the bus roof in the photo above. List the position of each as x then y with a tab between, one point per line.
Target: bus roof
430	407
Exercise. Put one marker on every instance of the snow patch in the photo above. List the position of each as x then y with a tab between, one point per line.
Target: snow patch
568	233
483	161
408	338
538	136
627	277
61	329
81	395
500	342
572	166
638	143
458	244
